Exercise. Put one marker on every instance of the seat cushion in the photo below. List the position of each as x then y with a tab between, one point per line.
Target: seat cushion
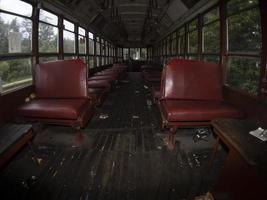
54	108
96	91
98	84
182	110
108	78
107	73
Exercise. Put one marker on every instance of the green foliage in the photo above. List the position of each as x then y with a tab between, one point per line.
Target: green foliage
193	42
244	31
243	73
47	38
212	37
15	70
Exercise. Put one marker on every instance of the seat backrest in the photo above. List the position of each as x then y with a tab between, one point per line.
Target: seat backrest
191	80
61	79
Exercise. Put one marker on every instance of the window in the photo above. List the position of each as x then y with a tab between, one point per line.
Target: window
48	32
243	73
97	46
91	44
125	53
143	55
244	45
68	37
211	35
15	38
82	41
91	62
193	37
174	43
181	42
16	34
135	53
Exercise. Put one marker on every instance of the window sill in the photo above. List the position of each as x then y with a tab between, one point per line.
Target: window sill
11	90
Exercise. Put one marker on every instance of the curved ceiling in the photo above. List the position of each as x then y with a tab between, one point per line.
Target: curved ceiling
129	22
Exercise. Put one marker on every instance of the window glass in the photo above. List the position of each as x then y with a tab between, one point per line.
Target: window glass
212	58
48	17
135	53
211	37
97	48
70	57
244	33
16	6
48	38
192	25
68	25
81	31
68	42
14	73
47	59
211	16
97	61
243	73
181	44
91	62
82	45
125	53
237	5
192	42
91	35
15	34
143	54
91	47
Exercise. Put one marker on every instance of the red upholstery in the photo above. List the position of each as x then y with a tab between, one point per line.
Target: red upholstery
191	80
179	110
107	73
62	94
191	91
54	108
98	94
61	79
108	78
99	84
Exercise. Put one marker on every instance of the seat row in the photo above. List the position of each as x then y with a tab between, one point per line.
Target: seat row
190	94
64	93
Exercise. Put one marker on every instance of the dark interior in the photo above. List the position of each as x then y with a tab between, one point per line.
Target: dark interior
133	99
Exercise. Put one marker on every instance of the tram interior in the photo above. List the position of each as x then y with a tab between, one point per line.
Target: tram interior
133	99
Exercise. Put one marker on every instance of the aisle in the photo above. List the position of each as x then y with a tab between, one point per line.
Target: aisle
120	156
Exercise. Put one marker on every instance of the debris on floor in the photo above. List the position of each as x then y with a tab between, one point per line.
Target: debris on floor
124	81
201	134
135	117
148	102
146	87
103	116
137	92
29	182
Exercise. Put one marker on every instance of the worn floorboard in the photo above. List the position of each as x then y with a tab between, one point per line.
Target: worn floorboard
119	157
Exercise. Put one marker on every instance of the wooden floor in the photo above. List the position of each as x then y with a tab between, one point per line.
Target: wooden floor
119	157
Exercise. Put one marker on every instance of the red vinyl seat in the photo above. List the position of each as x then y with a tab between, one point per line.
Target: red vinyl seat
55	108
192	91
99	84
191	95
108	78
186	111
62	94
